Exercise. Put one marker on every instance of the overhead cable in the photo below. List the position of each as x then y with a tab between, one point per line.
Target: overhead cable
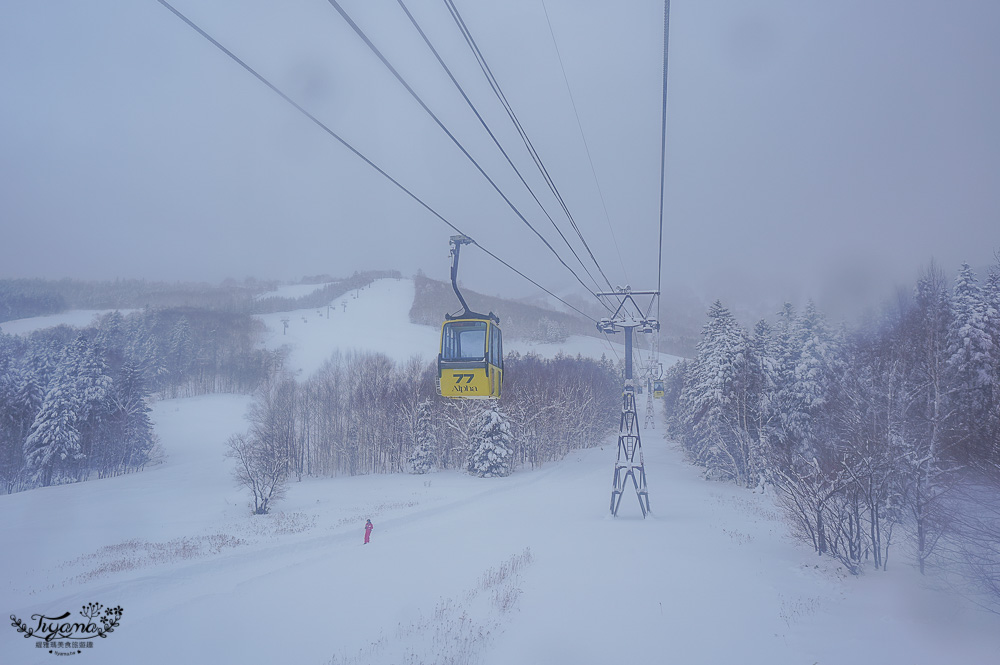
583	136
489	131
498	91
354	150
364	37
663	151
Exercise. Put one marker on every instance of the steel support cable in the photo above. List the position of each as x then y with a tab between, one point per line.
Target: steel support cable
319	123
489	131
494	84
364	37
498	91
663	151
583	137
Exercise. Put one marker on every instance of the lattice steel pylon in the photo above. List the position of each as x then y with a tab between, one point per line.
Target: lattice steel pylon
630	462
629	447
654	370
650	421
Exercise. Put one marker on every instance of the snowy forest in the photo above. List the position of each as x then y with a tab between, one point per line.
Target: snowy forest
879	440
75	402
876	438
364	413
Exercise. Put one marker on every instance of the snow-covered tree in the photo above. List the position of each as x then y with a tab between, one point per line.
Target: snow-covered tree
491	446
54	441
128	437
765	356
809	371
261	467
992	297
424	439
92	385
717	406
180	351
923	461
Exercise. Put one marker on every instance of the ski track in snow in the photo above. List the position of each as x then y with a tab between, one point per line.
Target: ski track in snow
524	569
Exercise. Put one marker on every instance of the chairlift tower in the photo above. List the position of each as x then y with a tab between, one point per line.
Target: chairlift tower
653	369
629	464
650	421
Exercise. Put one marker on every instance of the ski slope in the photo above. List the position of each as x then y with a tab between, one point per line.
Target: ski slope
712	577
377	319
525	569
75	318
373	319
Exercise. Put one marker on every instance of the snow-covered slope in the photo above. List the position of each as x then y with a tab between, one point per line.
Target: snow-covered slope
376	318
525	569
76	318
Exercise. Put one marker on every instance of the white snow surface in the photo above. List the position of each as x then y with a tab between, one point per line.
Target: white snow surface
527	569
712	577
375	319
76	318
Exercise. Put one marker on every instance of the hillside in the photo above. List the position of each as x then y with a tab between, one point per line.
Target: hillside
523	569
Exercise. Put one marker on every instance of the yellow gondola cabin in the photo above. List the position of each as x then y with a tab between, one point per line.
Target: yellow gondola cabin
470	362
470	358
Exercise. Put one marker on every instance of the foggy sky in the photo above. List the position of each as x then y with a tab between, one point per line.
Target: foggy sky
811	145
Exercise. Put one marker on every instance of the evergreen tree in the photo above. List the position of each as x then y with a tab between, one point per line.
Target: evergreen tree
765	355
128	437
808	375
491	445
424	439
970	357
992	297
54	441
180	351
141	348
91	385
717	409
18	404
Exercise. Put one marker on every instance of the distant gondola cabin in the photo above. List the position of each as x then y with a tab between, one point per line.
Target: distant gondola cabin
658	389
470	363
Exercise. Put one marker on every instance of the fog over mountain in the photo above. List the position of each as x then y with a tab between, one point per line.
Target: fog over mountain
824	150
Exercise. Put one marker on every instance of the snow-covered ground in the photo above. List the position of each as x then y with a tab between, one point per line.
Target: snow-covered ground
376	318
76	318
525	569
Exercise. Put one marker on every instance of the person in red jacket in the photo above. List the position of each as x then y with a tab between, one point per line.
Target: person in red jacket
368	530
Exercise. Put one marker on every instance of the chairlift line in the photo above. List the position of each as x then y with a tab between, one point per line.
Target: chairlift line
498	91
470	360
319	123
663	149
378	53
489	131
583	136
